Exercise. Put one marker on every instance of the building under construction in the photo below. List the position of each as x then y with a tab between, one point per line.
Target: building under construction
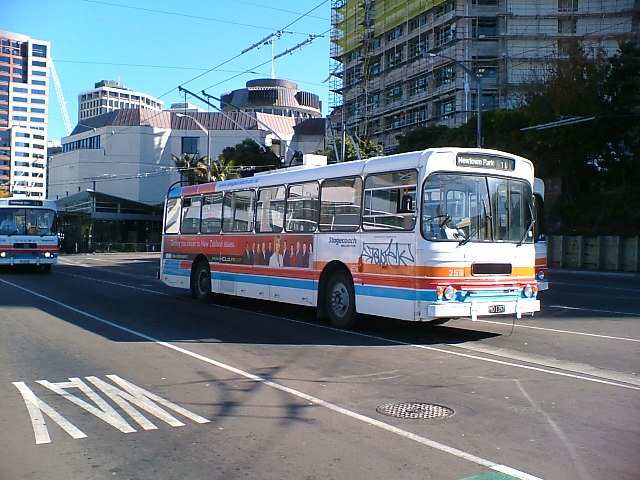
399	64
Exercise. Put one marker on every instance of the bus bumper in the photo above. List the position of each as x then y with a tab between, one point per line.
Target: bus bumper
11	261
474	310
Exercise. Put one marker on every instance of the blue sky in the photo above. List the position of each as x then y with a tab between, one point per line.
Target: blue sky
100	34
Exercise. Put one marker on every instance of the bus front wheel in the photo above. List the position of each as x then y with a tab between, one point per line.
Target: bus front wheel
201	281
339	302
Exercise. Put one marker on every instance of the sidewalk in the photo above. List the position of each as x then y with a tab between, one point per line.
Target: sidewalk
596	273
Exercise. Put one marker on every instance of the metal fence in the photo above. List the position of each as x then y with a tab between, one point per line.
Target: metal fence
606	253
107	247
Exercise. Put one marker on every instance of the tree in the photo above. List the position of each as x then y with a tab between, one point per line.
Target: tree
598	162
193	169
248	156
368	148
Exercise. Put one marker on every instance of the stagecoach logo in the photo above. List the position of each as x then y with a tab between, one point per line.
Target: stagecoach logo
343	242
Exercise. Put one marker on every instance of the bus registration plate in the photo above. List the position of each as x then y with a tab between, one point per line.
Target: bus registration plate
496	308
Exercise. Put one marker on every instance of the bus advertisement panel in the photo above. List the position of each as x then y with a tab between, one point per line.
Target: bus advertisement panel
28	233
431	235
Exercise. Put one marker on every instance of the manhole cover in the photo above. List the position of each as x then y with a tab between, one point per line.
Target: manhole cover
415	410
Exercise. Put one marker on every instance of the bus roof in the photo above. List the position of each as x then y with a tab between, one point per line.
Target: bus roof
27	202
299	174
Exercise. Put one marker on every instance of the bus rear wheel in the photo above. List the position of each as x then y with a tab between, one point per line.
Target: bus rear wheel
339	301
201	281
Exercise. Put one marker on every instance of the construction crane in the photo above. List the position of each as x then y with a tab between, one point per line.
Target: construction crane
63	104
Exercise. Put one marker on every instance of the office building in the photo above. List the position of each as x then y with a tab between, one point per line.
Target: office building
109	95
24	104
396	63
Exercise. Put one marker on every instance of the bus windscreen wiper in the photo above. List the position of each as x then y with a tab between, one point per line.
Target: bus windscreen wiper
467	238
531	223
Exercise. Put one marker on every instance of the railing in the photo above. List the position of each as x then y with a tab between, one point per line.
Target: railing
108	247
605	253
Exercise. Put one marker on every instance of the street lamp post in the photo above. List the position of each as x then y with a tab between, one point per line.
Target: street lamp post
478	78
207	131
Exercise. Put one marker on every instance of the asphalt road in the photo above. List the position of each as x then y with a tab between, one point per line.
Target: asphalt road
243	389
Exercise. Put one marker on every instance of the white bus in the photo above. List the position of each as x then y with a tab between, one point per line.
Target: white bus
540	239
427	236
28	234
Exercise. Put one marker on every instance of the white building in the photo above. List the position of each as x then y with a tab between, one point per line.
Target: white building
109	95
128	153
24	104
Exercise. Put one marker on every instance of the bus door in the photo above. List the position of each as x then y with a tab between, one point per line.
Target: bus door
389	239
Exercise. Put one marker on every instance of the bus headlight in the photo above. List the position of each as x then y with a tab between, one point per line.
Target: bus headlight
527	291
3	254
540	275
449	293
47	254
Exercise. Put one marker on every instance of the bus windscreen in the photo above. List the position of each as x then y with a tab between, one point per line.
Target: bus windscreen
27	221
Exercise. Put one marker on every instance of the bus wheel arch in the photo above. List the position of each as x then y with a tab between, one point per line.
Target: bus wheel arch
200	281
336	295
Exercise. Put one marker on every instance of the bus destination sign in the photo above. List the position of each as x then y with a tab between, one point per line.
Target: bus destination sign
26	203
484	161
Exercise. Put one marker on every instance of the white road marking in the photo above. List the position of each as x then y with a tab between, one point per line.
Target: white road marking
604	381
556	330
157	292
551	362
104	411
36	408
310	398
145	400
597	310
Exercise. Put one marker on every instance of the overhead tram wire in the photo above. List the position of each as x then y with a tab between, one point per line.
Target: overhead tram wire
290	50
200	75
146	65
185	15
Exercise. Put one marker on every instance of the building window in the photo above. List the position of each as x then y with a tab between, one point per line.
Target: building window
393	56
444	75
485	27
568	25
394	121
39	50
444	34
190	145
16	108
393	92
40	73
19	99
22	144
418	85
38	82
567	5
36	63
395	33
19	118
446	107
37	119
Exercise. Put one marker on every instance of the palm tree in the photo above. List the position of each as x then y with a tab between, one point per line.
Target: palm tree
193	169
223	169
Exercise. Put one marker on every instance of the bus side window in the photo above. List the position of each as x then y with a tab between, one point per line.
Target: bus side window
191	215
302	207
211	213
389	201
172	216
237	211
340	201
270	210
